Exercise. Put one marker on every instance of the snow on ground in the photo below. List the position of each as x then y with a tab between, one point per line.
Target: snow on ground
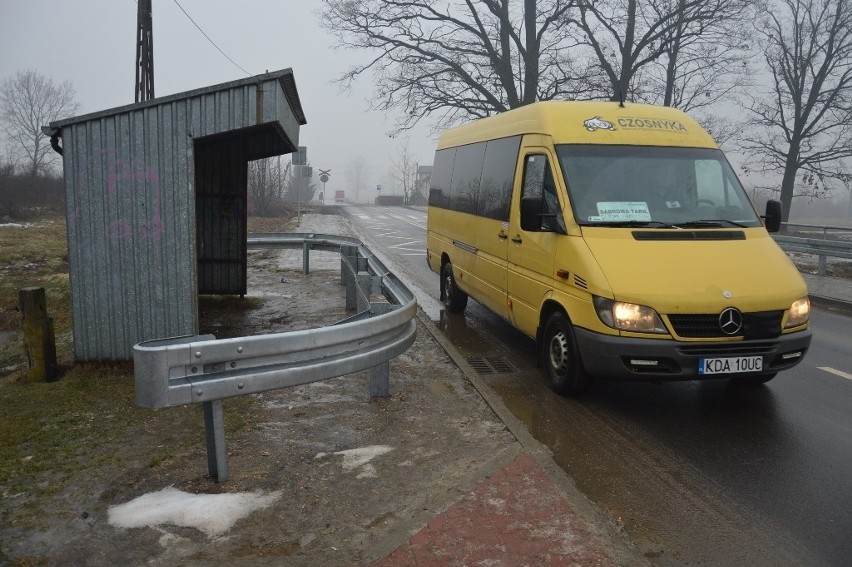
360	459
213	514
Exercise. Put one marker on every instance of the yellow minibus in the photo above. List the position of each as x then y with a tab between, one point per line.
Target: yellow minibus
618	236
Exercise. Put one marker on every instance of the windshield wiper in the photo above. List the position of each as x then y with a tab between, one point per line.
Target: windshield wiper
634	224
711	223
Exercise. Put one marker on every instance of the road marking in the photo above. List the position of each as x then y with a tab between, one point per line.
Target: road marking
419	225
836	372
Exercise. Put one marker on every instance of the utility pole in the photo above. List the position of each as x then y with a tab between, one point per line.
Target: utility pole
144	52
324	175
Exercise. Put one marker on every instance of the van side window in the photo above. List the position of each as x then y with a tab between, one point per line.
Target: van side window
539	185
465	193
476	178
498	177
442	175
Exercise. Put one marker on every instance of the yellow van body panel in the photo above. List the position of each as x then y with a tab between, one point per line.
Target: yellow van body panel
458	242
688	276
574	123
491	263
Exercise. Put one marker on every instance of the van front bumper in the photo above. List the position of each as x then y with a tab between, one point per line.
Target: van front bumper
623	358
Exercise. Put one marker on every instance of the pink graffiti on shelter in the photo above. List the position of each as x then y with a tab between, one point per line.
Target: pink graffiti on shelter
127	180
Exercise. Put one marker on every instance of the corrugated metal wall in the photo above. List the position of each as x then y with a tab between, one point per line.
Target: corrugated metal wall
133	206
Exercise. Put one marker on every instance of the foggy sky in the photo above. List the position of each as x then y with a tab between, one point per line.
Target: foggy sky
93	44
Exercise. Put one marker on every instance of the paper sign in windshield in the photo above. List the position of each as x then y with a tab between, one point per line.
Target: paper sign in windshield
618	211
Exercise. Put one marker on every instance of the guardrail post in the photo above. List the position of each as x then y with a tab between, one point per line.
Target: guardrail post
823	260
380	381
364	290
306	255
348	273
214	430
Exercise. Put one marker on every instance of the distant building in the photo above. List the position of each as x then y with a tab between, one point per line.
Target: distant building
420	195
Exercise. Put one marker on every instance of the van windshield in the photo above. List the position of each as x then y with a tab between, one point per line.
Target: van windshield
654	186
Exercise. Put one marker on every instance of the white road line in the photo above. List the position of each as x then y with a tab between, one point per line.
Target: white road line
408	243
836	372
403	219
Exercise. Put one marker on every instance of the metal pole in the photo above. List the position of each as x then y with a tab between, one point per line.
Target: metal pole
214	429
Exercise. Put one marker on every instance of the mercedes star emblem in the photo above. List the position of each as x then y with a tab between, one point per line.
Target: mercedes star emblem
731	321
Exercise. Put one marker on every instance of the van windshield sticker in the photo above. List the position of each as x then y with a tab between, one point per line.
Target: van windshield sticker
617	211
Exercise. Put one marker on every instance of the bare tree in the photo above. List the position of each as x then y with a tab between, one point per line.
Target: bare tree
458	59
11	199
29	101
404	171
803	125
268	179
300	186
356	174
682	53
705	57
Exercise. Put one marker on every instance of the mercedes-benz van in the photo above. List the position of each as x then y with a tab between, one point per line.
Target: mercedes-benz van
618	236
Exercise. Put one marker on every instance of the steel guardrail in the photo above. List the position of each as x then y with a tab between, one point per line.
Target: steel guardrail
823	248
202	369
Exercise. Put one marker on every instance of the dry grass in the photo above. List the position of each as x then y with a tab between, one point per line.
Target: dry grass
51	433
34	255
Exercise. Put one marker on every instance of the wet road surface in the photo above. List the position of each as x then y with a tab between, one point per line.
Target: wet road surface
698	473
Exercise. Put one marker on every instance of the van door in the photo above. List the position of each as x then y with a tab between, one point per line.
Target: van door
492	223
532	248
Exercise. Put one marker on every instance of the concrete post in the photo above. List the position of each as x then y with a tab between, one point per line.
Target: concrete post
39	340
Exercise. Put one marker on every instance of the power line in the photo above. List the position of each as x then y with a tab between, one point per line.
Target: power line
213	43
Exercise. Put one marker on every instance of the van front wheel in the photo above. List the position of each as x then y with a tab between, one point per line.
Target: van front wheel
454	299
562	358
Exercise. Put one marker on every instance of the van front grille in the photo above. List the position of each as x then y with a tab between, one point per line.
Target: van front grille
760	325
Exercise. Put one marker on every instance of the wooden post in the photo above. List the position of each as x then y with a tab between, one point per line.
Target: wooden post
39	340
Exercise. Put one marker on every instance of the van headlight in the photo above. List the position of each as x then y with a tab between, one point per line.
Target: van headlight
628	316
799	314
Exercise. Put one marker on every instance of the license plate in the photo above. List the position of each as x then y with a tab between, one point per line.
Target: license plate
736	365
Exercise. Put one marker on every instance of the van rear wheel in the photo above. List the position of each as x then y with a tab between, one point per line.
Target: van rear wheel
562	358
454	299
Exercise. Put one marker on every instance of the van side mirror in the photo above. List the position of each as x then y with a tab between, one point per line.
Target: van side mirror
530	211
772	219
534	220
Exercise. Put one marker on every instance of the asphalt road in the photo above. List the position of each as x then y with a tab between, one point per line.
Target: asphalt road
698	473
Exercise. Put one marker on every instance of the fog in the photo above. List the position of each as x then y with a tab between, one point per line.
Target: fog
93	44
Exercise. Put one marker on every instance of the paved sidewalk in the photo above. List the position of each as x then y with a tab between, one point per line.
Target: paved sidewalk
516	517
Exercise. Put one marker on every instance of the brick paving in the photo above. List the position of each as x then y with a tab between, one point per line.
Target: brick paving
516	517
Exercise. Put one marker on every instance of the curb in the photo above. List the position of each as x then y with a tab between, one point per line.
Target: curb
612	536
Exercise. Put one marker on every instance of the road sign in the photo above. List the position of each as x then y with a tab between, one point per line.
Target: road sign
300	156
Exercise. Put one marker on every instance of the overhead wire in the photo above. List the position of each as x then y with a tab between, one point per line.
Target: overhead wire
213	43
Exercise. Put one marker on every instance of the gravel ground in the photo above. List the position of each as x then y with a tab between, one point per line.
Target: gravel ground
349	478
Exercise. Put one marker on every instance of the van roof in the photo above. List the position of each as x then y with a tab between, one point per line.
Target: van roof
587	122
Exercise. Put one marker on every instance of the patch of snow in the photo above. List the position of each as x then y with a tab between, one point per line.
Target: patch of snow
367	471
213	514
360	459
354	458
